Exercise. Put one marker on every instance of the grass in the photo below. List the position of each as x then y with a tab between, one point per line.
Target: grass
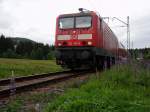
28	103
12	107
121	89
23	67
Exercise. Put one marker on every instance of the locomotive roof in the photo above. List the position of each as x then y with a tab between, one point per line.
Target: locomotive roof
89	13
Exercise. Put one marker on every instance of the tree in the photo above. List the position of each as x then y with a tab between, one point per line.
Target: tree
37	54
24	48
147	56
9	54
5	44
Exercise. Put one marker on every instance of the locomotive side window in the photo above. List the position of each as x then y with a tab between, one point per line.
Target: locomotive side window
65	23
83	22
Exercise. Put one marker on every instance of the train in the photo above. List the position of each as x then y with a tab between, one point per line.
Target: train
84	39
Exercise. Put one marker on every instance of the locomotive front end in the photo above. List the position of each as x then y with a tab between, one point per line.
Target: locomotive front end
74	39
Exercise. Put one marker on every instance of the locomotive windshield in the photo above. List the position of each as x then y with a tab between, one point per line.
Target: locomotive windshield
75	22
65	23
83	22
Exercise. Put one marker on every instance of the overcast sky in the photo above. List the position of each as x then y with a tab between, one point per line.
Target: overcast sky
35	19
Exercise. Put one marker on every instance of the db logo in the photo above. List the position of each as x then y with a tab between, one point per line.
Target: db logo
74	36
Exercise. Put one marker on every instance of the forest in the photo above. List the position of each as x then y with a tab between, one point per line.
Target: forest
22	48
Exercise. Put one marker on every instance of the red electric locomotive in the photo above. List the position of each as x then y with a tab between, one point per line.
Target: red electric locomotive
84	39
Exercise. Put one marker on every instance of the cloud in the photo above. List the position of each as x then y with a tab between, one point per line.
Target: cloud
140	32
6	19
1	1
5	23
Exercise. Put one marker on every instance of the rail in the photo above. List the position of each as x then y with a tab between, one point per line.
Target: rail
22	84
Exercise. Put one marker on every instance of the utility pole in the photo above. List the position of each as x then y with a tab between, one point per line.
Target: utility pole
127	24
128	33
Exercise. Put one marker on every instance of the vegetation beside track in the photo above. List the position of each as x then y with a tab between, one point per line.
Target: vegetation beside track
121	89
23	67
30	101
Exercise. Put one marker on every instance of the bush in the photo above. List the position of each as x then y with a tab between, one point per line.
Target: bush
50	56
147	56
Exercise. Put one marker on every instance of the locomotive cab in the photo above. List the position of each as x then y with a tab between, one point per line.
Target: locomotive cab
74	30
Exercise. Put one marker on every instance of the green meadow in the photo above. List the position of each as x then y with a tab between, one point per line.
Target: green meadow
23	67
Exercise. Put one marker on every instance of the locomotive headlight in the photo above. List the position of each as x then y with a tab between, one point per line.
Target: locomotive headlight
59	44
89	43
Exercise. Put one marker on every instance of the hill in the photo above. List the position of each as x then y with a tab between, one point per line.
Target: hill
19	39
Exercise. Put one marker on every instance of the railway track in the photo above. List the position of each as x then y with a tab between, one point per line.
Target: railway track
10	87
